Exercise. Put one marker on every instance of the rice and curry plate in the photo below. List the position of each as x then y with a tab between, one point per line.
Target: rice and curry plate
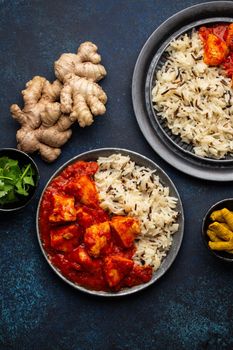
107	225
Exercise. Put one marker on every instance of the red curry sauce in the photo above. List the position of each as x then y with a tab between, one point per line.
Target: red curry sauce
86	244
218	46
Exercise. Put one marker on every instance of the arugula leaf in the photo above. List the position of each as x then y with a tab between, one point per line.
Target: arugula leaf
9	197
14	180
28	180
2	193
21	189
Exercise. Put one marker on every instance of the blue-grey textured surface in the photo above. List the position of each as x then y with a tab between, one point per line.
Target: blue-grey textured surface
191	306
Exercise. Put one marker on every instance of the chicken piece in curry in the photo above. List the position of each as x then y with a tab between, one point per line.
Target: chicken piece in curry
126	228
81	256
65	238
116	268
218	46
63	208
215	50
86	244
97	237
83	188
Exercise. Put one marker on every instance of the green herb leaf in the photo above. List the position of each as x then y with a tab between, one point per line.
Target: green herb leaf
2	193
14	180
28	180
20	189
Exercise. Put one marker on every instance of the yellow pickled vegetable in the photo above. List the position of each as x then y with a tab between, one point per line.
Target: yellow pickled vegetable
220	231
228	217
217	216
213	236
223	215
224	245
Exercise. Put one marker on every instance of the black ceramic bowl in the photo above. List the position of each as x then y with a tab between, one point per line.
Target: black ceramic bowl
225	203
23	159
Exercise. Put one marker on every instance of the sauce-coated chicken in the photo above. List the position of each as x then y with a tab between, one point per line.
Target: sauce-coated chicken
63	208
97	237
87	245
126	228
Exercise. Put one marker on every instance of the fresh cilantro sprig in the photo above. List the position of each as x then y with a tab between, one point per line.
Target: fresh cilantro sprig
14	180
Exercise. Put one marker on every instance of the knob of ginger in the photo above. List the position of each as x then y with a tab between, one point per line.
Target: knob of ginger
51	108
81	96
43	127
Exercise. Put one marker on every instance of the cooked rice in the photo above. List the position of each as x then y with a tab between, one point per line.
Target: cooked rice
128	189
196	100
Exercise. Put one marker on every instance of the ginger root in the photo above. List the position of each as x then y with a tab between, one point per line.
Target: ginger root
43	127
86	63
80	95
83	99
51	108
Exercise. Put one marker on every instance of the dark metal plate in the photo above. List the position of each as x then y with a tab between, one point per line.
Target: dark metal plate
141	89
156	64
164	179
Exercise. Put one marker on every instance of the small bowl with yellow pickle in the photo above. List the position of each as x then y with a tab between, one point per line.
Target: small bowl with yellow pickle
217	230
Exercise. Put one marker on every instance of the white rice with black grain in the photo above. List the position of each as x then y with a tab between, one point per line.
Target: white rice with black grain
128	189
196	100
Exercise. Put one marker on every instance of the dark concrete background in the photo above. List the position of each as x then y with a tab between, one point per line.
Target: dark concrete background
191	306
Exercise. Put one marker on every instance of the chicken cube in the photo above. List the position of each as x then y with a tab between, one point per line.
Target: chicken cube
116	268
83	188
97	237
65	238
215	50
126	228
63	208
80	256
